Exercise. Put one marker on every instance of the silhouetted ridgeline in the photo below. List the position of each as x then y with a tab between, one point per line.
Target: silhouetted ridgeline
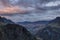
11	31
6	21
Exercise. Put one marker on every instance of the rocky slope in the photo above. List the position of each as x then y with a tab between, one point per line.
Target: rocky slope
51	31
12	31
6	21
15	32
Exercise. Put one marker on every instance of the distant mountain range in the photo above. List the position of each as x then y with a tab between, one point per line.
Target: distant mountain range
27	22
33	27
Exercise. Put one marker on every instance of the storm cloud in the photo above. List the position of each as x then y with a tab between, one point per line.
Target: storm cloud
30	10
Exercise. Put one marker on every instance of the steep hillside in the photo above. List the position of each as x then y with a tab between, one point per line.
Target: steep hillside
15	32
6	21
11	31
51	31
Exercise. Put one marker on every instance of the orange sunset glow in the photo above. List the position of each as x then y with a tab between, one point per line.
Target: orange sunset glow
10	10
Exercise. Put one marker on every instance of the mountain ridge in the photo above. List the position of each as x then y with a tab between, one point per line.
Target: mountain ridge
11	31
51	31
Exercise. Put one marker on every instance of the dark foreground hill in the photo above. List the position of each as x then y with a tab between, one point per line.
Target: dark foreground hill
11	31
15	32
51	31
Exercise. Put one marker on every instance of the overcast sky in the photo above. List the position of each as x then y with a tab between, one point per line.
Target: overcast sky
30	10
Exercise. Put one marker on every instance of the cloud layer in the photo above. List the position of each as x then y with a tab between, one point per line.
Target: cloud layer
14	10
12	6
30	10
